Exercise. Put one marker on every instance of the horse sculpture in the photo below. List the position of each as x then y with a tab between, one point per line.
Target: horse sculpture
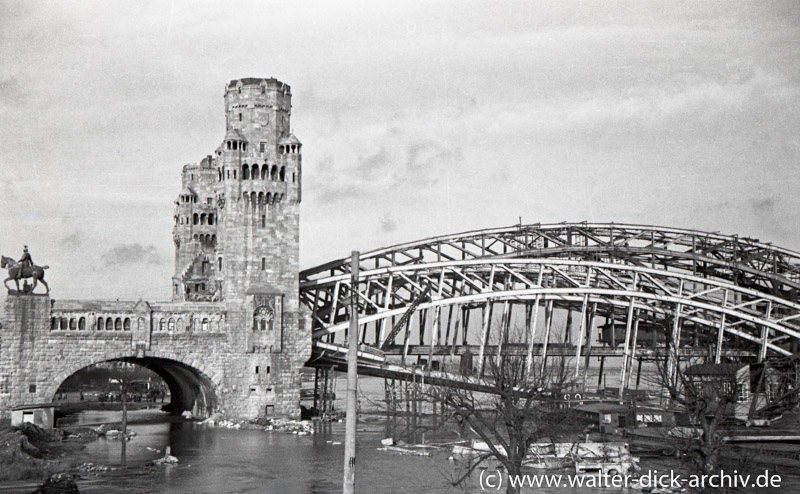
17	272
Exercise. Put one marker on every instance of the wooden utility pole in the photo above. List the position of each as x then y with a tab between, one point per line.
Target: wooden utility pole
349	486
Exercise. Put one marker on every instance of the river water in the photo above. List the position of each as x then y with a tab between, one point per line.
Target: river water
216	460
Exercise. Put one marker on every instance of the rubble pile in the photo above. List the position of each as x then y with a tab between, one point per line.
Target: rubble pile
403	448
110	431
59	483
299	427
92	468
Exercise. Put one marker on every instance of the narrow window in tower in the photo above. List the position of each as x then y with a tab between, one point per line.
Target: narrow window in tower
219	264
229	144
263	221
293	177
240	117
263	90
268	369
244	146
234	174
263	264
256	369
263	147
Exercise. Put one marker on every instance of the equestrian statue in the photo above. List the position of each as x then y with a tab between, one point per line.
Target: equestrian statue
22	270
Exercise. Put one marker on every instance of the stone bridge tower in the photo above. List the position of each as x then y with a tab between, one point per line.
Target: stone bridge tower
237	217
232	337
237	229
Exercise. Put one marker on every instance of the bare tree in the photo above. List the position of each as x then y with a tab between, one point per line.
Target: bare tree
712	396
514	404
126	376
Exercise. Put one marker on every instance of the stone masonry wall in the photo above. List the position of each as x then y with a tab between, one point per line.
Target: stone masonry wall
36	357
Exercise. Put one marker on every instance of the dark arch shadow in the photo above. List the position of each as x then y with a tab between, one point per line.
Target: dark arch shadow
190	389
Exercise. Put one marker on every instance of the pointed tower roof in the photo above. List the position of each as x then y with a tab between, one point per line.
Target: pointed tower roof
234	134
290	139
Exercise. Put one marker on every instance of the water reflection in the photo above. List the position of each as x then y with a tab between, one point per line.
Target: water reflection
215	460
218	460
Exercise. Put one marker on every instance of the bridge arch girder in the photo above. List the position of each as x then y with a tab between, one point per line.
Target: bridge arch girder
739	260
386	292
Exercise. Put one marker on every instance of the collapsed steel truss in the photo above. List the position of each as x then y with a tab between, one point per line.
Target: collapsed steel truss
729	293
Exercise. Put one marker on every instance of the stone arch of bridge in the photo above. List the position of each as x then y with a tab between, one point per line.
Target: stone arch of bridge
190	387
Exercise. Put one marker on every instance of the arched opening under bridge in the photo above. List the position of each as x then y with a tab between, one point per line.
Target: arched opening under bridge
189	388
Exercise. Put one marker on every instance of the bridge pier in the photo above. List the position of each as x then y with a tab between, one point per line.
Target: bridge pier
27	320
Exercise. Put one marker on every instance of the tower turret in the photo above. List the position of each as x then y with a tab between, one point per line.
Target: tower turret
259	183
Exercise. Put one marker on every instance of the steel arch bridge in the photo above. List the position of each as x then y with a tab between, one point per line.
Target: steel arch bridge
706	293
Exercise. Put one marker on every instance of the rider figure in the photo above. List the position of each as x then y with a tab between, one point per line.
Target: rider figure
25	260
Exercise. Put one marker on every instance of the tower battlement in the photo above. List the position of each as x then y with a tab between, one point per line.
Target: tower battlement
270	82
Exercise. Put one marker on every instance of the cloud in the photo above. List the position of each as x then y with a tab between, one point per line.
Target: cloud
388	224
10	90
71	241
395	167
128	254
370	166
763	205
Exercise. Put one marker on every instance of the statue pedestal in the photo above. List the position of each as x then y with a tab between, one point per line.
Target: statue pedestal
25	294
25	329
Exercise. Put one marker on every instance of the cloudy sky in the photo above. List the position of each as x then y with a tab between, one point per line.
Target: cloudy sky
417	119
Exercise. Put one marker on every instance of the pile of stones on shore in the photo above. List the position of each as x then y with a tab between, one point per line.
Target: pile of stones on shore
92	468
299	427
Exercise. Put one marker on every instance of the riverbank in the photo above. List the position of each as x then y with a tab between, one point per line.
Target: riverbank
32	453
29	454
